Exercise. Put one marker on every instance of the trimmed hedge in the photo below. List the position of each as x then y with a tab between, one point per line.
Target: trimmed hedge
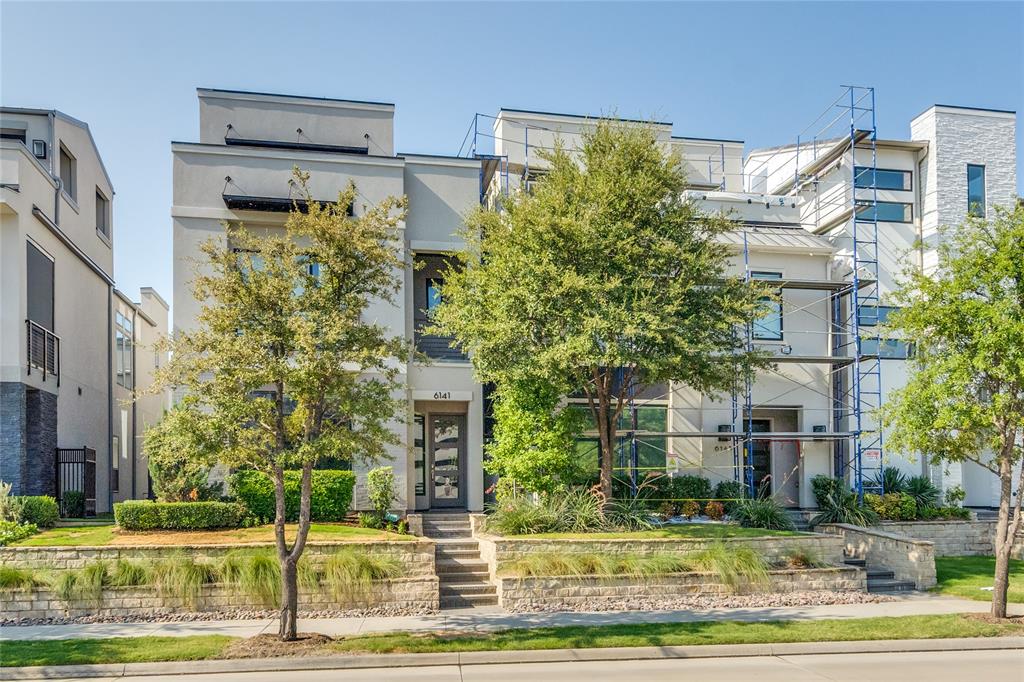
39	510
147	515
329	500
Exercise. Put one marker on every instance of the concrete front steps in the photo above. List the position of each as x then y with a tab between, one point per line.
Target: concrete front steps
463	576
881	581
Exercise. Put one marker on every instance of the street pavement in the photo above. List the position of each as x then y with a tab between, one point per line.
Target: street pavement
934	666
494	618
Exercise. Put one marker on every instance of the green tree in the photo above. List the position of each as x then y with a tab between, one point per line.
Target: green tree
534	437
603	279
964	399
282	363
181	451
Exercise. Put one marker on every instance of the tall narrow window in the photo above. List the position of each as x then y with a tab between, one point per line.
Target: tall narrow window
769	327
433	293
40	287
102	214
115	463
975	191
123	349
68	172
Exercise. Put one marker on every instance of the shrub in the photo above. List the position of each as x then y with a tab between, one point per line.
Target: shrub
691	487
146	515
890	480
12	532
180	454
74	504
824	486
839	505
955	496
943	513
892	506
40	510
370	520
380	488
580	510
802	557
714	510
691	508
762	512
10	505
330	498
628	515
571	511
728	493
925	494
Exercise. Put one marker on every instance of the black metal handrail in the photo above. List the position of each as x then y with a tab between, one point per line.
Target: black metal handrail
43	350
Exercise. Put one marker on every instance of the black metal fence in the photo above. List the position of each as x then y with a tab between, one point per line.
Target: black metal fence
76	472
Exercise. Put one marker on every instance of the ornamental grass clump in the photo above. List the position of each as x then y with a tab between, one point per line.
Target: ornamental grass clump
737	567
17	579
348	575
181	578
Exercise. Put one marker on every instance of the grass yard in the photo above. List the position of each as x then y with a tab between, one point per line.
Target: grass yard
965	576
109	535
139	649
696	531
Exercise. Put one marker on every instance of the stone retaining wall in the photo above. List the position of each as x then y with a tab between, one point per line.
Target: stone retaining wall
416	556
955	538
499	551
908	558
406	594
527	594
415	591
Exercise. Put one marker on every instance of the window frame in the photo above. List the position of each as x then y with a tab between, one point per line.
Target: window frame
907	174
868	204
102	200
769	276
971	207
70	189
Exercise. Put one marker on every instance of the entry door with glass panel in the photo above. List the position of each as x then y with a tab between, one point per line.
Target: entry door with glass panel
447	460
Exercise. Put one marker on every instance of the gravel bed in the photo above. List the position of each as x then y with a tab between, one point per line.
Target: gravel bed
241	614
705	603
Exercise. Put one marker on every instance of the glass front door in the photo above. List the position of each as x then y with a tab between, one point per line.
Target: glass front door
447	461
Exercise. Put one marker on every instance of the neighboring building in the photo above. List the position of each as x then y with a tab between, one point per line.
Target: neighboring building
796	209
138	326
56	307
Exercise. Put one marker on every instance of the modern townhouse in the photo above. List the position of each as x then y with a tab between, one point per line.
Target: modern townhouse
831	218
57	310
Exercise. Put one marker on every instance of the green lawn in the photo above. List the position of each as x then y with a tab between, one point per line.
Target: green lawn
697	531
137	649
964	576
114	650
79	536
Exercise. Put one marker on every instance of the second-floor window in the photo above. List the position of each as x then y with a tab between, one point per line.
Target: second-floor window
881	178
975	191
123	345
102	214
885	212
433	293
769	326
68	172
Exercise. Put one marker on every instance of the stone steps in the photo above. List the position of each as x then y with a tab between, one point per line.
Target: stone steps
881	580
463	577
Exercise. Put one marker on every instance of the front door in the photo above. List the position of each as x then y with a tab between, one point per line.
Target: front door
447	460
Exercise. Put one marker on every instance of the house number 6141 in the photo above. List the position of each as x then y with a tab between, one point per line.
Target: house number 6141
442	395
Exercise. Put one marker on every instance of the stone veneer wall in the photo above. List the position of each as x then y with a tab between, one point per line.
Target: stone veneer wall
525	594
499	551
908	558
415	590
955	538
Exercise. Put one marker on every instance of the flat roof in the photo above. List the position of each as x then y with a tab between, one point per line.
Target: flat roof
705	139
307	97
583	116
959	106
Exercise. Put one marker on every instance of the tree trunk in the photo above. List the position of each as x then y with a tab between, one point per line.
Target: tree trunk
1003	541
289	602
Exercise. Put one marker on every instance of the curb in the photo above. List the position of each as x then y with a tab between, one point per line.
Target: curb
504	657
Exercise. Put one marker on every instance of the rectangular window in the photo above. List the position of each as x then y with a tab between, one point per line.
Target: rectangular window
975	191
115	456
102	214
40	287
882	178
68	173
886	349
12	134
885	212
873	315
769	327
123	348
419	449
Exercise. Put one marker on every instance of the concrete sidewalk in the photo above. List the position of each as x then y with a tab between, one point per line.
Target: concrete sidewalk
494	618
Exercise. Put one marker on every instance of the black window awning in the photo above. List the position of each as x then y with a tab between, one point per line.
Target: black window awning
300	146
240	202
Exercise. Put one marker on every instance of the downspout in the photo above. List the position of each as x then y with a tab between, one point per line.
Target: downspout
135	402
110	397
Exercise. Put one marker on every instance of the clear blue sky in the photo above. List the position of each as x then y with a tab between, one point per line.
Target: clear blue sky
757	71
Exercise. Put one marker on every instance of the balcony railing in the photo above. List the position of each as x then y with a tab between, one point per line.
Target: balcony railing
43	350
